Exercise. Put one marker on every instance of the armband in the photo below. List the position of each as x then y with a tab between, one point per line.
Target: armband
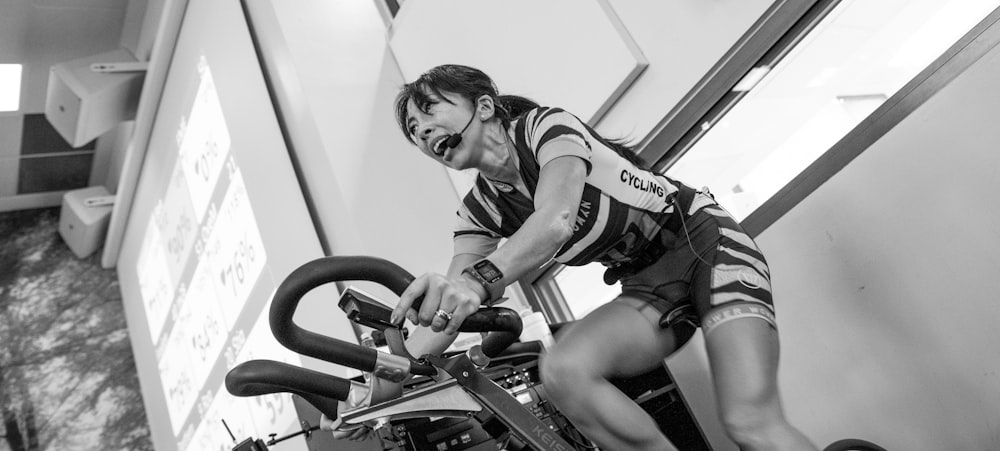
489	276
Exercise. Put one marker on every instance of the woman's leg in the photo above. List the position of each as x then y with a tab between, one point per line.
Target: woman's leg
616	340
743	354
731	290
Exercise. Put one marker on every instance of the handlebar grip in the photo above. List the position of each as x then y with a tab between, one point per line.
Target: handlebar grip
261	377
319	272
503	324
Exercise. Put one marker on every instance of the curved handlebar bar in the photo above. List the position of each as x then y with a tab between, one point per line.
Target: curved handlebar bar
261	377
319	272
504	324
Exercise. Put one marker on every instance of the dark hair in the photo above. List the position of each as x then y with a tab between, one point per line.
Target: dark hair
472	83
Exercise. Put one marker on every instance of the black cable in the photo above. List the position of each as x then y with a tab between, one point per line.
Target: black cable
687	234
568	429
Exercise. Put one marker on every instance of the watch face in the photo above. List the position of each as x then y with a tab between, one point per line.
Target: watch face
488	271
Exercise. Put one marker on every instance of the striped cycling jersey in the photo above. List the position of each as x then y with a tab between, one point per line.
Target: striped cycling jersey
622	208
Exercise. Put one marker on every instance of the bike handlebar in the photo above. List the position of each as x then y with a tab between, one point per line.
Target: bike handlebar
258	377
503	324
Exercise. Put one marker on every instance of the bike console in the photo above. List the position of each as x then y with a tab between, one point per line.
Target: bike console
364	309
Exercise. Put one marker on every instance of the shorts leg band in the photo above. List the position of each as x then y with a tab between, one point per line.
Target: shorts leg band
736	310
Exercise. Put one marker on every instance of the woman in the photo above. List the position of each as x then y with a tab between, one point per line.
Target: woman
556	189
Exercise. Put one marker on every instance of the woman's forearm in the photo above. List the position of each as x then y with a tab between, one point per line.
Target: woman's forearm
557	201
538	240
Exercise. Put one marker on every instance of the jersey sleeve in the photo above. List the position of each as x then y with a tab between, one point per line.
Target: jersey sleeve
472	236
549	125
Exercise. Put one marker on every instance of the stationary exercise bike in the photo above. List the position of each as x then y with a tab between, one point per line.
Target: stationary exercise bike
493	394
492	400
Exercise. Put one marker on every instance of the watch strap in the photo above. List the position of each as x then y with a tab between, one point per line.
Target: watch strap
469	273
489	276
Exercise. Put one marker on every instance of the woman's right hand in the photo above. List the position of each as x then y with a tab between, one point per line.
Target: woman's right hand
447	302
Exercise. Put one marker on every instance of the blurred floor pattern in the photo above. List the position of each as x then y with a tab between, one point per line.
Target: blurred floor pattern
67	375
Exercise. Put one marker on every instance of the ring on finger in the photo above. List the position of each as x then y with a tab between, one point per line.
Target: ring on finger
443	315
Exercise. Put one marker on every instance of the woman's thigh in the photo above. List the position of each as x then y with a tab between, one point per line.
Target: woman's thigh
743	355
618	339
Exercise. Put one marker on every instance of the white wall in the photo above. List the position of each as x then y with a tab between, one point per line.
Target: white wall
134	30
374	193
43	35
884	282
138	32
109	156
139	27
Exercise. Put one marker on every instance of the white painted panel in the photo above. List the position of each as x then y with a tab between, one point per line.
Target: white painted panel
13	31
10	151
132	28
568	53
9	167
682	40
10	134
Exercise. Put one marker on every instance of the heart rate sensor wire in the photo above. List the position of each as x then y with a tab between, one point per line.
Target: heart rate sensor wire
687	235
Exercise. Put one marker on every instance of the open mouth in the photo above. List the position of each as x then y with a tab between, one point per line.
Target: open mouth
439	147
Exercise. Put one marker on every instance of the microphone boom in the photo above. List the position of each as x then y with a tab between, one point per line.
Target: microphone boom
455	139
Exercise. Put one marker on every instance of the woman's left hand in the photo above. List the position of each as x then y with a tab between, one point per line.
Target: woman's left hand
447	302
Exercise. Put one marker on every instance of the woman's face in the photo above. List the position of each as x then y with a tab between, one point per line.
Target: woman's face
431	125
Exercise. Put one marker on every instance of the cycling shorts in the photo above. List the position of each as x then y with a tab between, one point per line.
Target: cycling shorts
710	273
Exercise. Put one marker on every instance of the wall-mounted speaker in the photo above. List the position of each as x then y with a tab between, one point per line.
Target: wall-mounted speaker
85	99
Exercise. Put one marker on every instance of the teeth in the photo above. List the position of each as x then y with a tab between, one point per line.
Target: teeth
439	147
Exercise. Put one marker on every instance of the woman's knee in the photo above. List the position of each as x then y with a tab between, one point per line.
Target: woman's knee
563	372
751	421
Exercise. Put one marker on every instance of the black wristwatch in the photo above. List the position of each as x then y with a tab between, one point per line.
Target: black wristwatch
489	276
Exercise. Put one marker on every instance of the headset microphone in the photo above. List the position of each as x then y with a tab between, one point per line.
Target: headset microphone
454	140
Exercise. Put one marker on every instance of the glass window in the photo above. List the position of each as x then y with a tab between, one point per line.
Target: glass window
789	114
10	87
857	57
583	288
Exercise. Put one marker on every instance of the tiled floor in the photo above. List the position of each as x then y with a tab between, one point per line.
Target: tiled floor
67	375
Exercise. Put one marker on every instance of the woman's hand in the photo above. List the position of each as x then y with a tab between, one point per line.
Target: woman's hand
447	302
